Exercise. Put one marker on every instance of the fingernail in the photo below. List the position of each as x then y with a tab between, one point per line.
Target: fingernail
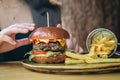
32	28
32	24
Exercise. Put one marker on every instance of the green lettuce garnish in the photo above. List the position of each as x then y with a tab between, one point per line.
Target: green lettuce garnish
31	56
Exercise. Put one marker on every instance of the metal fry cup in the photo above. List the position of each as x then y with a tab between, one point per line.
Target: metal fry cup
106	33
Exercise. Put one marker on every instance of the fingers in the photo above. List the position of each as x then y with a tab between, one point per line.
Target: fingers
22	42
59	26
77	48
7	47
73	44
22	28
69	42
19	28
80	49
6	39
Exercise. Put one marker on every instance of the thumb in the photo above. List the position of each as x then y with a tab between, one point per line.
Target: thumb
7	39
69	42
59	26
22	42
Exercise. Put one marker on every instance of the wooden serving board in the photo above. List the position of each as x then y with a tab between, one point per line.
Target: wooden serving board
77	68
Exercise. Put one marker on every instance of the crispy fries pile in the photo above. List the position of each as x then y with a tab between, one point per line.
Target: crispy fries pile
74	58
100	48
103	46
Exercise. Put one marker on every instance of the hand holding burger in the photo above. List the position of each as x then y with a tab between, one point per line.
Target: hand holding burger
7	36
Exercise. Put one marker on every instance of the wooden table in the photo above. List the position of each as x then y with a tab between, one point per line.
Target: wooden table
15	71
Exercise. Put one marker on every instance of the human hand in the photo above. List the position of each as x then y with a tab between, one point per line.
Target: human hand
7	36
72	43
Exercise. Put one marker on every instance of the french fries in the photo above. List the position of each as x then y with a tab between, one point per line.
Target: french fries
73	61
92	53
101	60
79	59
100	48
103	45
76	56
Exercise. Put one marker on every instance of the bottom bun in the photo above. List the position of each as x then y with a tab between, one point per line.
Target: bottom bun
54	59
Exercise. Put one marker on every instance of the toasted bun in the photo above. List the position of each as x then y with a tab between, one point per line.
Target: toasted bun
54	59
49	33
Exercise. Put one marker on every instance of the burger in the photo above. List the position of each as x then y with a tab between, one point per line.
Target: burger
49	44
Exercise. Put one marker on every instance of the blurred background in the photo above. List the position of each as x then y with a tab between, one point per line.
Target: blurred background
80	17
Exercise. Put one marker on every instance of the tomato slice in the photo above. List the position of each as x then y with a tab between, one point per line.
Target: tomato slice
40	52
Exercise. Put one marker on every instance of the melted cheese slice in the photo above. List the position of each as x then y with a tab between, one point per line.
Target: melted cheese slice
61	41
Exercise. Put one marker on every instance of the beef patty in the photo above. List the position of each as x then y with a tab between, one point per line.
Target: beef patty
51	46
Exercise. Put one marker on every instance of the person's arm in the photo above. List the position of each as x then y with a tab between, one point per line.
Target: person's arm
7	36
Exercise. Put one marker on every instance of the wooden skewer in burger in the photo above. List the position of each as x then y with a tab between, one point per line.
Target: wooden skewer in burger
49	44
